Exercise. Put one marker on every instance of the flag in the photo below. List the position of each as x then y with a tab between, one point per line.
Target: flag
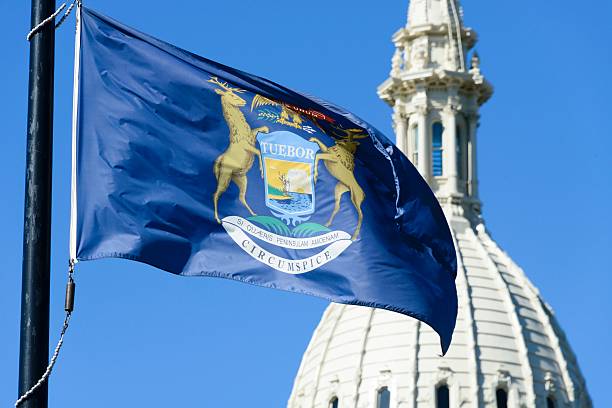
200	169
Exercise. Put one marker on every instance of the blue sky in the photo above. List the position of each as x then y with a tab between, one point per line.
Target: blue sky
147	338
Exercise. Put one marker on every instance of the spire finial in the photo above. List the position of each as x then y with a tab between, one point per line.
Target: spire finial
475	68
475	62
396	62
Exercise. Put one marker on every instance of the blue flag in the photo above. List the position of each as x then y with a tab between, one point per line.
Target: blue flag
197	168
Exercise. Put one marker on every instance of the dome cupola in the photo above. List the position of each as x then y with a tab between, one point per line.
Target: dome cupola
436	99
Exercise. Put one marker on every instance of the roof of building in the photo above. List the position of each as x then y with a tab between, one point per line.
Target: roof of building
506	337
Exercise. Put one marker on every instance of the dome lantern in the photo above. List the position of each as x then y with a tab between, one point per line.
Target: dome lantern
436	100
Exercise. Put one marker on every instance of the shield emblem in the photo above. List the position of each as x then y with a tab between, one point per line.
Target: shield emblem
288	162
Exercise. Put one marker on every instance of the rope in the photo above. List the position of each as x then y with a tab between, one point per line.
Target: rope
70	286
69	306
49	19
67	13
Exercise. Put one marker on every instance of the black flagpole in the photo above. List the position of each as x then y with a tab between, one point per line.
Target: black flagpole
34	335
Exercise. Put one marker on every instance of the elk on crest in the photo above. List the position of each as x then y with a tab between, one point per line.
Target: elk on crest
236	161
339	161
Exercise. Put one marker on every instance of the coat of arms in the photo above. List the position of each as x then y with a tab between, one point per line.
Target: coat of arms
288	164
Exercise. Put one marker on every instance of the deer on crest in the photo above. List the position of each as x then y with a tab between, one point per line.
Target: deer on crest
339	161
237	160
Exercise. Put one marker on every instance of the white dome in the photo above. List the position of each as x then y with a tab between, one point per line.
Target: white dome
506	337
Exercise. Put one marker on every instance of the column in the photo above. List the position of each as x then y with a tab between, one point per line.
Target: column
472	164
400	132
424	143
449	143
411	143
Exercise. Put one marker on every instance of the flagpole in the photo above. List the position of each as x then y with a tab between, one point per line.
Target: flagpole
34	333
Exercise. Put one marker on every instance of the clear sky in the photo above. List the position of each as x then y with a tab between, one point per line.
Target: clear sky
142	337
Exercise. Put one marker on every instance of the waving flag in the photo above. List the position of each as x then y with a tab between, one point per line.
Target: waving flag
201	169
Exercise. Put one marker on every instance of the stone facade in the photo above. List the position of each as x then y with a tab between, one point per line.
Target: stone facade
506	336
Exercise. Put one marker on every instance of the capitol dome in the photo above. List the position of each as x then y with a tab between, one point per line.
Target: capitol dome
508	349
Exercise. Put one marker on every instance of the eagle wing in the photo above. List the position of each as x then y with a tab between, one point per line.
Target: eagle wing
259	100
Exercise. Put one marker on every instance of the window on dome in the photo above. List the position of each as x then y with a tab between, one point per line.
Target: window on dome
414	141
384	398
436	151
333	403
550	402
502	398
442	396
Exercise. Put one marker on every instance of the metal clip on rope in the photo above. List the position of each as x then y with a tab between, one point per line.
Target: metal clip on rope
68	307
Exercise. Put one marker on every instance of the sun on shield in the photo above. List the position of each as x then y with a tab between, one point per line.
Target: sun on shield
288	162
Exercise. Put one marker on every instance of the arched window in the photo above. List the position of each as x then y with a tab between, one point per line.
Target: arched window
436	151
333	403
442	396
414	144
383	399
502	398
550	402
